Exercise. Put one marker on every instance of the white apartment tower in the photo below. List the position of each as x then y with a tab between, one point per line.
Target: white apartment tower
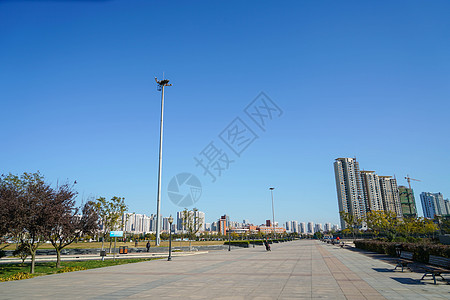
390	195
302	227
372	191
294	226
349	187
433	204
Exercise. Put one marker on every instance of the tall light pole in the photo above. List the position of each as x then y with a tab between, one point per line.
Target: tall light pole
273	212
161	85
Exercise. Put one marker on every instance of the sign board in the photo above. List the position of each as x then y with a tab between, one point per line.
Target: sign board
116	234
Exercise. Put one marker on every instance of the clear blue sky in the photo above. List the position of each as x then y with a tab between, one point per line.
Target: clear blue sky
354	78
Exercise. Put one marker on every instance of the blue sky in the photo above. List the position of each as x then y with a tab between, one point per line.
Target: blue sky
353	78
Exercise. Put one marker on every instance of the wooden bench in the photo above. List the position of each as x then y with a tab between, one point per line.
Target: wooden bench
404	259
438	265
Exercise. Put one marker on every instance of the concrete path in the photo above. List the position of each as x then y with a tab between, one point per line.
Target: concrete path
295	270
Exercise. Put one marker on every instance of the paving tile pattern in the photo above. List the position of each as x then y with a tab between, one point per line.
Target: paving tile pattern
296	270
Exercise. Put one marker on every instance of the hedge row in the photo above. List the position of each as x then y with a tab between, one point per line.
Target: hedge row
238	243
421	251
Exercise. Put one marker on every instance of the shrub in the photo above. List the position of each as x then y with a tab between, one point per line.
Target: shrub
421	251
238	243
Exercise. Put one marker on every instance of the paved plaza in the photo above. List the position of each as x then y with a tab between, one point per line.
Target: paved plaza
303	269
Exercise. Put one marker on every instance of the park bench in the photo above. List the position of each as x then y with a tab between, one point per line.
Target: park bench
436	266
404	259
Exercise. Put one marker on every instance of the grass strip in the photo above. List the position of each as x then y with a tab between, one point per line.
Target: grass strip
18	271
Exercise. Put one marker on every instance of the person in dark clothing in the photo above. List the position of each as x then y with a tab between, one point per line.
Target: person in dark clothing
266	243
148	246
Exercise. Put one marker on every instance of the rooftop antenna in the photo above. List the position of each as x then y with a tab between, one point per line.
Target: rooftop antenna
160	86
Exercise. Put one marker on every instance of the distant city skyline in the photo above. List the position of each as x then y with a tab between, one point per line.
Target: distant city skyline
357	78
360	192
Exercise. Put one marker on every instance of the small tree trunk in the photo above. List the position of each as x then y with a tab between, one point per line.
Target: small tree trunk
58	257
33	257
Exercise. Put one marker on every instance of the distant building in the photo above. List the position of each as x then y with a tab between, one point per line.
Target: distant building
390	195
447	206
318	227
302	227
327	227
349	188
407	201
288	226
270	229
215	226
372	191
310	227
433	205
294	226
222	225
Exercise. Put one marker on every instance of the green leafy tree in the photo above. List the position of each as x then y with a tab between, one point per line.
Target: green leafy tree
110	213
192	223
351	222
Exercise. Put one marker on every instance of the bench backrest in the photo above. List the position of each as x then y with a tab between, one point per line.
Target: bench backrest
406	255
439	261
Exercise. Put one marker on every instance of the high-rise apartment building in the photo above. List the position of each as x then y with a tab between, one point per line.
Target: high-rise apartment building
433	205
349	188
196	217
407	202
318	227
294	226
390	195
288	226
310	227
447	206
302	227
223	225
372	192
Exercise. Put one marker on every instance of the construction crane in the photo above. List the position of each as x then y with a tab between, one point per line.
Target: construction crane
408	179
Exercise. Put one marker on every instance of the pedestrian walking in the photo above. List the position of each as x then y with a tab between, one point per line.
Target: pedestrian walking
148	246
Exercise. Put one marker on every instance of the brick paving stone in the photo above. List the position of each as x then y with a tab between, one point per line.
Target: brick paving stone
303	269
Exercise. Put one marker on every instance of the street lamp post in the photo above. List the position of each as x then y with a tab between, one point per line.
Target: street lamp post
161	85
170	238
273	212
229	235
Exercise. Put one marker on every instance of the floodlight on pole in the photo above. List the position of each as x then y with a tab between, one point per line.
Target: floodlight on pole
160	85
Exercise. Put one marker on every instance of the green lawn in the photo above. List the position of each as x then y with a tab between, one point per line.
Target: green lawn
86	245
13	271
